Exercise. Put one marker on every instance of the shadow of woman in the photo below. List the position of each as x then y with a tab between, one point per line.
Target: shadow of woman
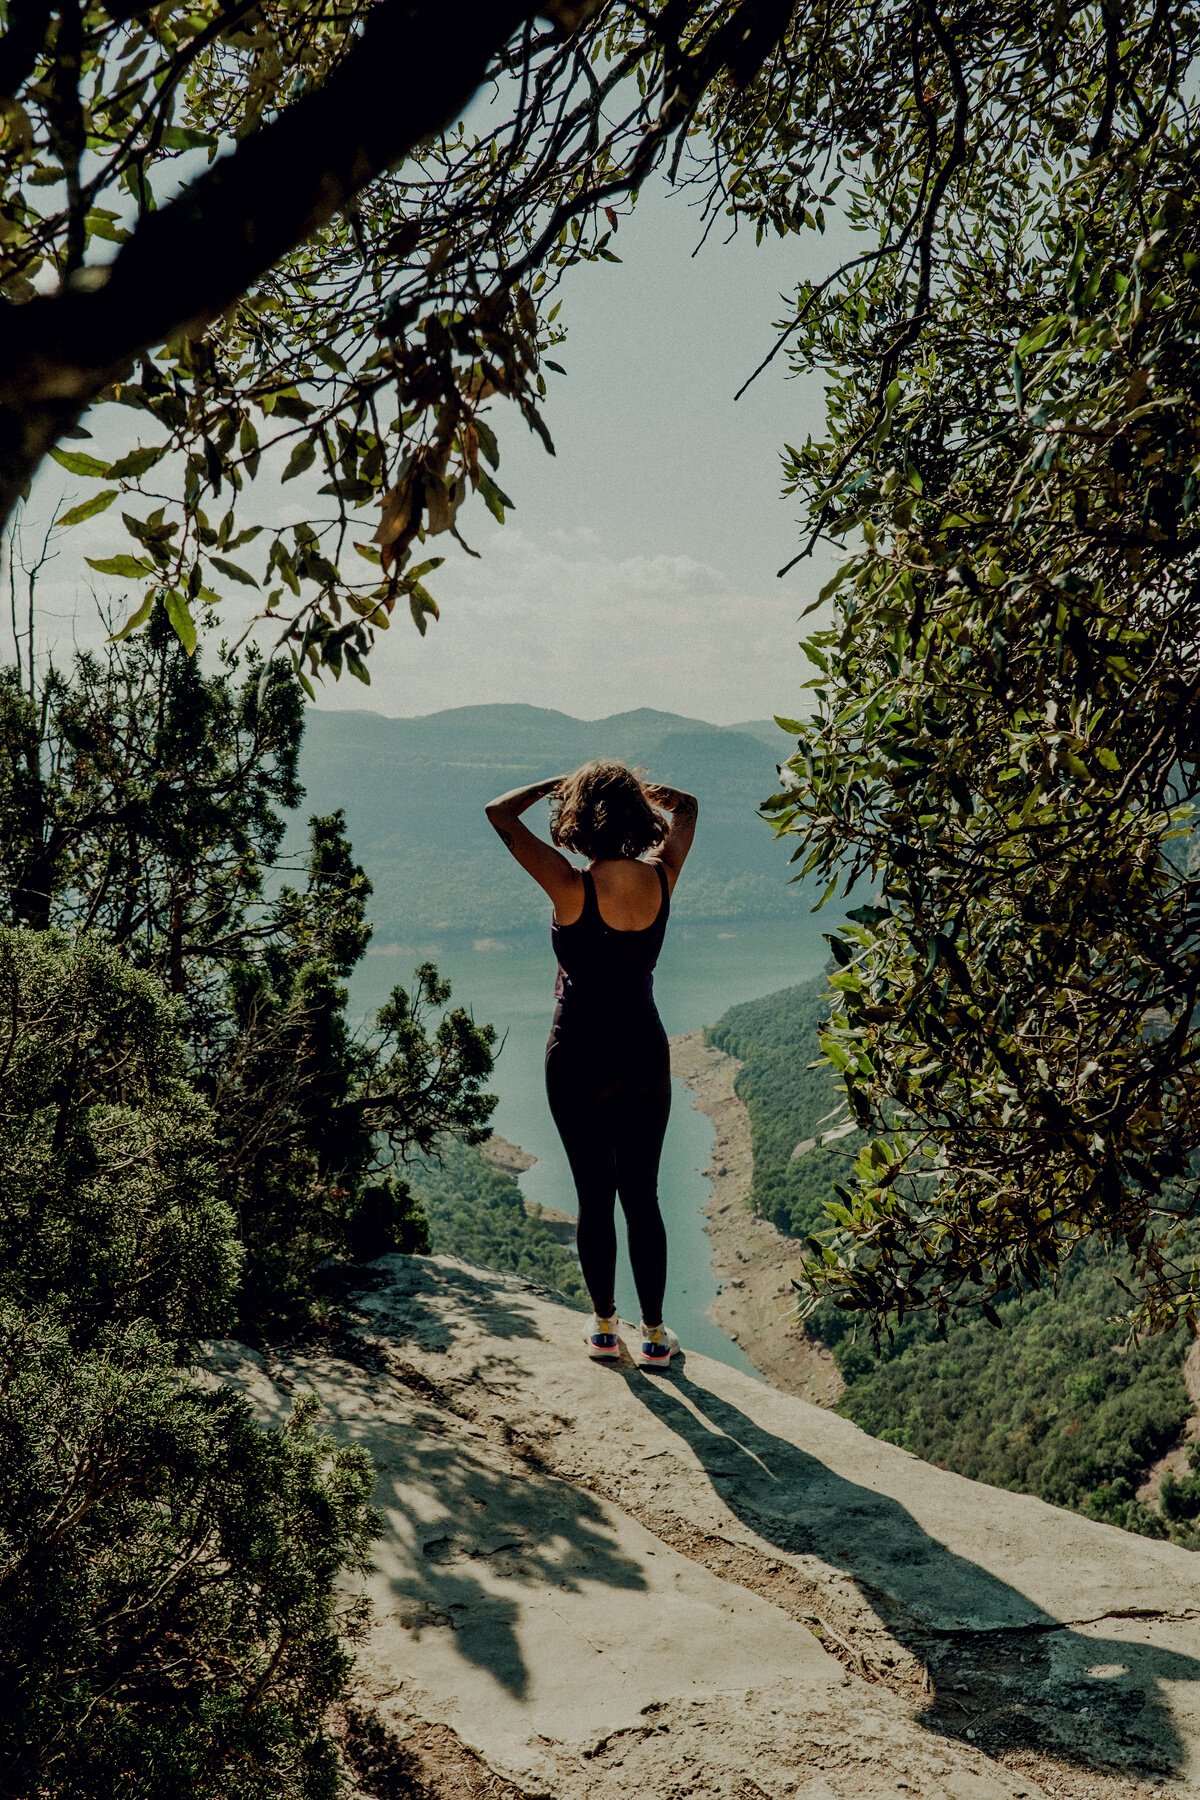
997	1664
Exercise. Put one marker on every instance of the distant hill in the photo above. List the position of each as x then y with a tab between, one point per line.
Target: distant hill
414	791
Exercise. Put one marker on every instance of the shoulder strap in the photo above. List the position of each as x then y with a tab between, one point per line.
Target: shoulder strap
662	881
591	906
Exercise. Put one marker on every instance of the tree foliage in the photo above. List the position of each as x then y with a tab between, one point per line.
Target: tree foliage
169	1621
302	303
169	1617
146	800
1059	1403
1003	745
113	1206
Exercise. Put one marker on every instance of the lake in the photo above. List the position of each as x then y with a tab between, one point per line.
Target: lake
702	972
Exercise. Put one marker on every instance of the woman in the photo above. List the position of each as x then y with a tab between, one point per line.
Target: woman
608	1074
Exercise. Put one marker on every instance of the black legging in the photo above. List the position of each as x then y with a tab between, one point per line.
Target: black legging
610	1098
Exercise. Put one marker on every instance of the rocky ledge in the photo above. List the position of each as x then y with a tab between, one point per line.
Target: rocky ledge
595	1581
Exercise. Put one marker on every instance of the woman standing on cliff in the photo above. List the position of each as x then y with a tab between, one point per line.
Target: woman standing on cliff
608	1075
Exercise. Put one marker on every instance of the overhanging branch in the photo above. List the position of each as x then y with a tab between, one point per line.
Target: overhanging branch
409	75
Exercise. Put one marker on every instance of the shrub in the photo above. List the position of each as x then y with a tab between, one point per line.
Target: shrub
108	1155
167	1612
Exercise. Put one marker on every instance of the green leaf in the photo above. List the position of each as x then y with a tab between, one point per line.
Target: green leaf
869	915
102	223
834	583
494	496
124	564
487	441
136	618
87	509
186	137
830	891
181	619
304	454
78	462
233	571
421	602
127	468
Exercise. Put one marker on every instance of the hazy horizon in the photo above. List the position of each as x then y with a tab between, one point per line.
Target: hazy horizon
665	712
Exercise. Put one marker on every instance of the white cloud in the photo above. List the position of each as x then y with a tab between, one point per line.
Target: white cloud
562	623
558	618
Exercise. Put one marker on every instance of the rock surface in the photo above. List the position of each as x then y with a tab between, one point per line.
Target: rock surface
614	1583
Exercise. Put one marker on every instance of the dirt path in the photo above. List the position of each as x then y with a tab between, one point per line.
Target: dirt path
752	1259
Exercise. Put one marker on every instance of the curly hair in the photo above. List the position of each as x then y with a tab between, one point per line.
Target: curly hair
602	811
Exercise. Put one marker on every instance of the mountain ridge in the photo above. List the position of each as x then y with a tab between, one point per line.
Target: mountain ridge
414	789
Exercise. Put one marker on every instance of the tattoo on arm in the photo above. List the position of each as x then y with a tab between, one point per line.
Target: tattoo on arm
686	807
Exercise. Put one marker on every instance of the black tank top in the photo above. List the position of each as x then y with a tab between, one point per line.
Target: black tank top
602	968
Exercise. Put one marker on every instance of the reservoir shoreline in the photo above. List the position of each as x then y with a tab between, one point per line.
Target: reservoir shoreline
752	1259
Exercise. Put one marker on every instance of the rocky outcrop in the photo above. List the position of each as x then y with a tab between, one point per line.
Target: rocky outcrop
613	1583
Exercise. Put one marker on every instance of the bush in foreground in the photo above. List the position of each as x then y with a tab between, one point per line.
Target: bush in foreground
108	1155
168	1619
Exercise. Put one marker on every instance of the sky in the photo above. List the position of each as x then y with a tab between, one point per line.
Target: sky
638	565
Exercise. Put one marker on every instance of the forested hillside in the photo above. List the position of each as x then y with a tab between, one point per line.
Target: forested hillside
1054	1402
477	1212
413	791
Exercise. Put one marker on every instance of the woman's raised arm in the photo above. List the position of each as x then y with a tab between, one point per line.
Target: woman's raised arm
683	808
548	866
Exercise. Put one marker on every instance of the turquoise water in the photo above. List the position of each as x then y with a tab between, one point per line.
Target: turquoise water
701	973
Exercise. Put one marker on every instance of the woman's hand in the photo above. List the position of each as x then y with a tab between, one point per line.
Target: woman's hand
519	800
672	800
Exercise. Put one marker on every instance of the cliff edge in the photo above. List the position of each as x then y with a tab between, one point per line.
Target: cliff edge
595	1581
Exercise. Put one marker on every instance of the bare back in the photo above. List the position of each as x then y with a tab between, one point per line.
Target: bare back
628	893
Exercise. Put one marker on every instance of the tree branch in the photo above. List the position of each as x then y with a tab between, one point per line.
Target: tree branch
406	78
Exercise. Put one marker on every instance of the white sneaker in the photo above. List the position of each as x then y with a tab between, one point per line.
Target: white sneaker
603	1339
658	1346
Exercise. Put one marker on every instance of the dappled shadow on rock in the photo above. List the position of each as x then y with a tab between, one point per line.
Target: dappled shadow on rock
1001	1670
466	1538
427	1305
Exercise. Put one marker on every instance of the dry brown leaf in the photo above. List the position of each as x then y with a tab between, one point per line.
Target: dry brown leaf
396	507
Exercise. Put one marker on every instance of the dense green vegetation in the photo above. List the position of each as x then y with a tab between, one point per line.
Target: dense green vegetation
477	1212
1001	735
192	1138
413	793
1055	1402
146	801
170	1618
